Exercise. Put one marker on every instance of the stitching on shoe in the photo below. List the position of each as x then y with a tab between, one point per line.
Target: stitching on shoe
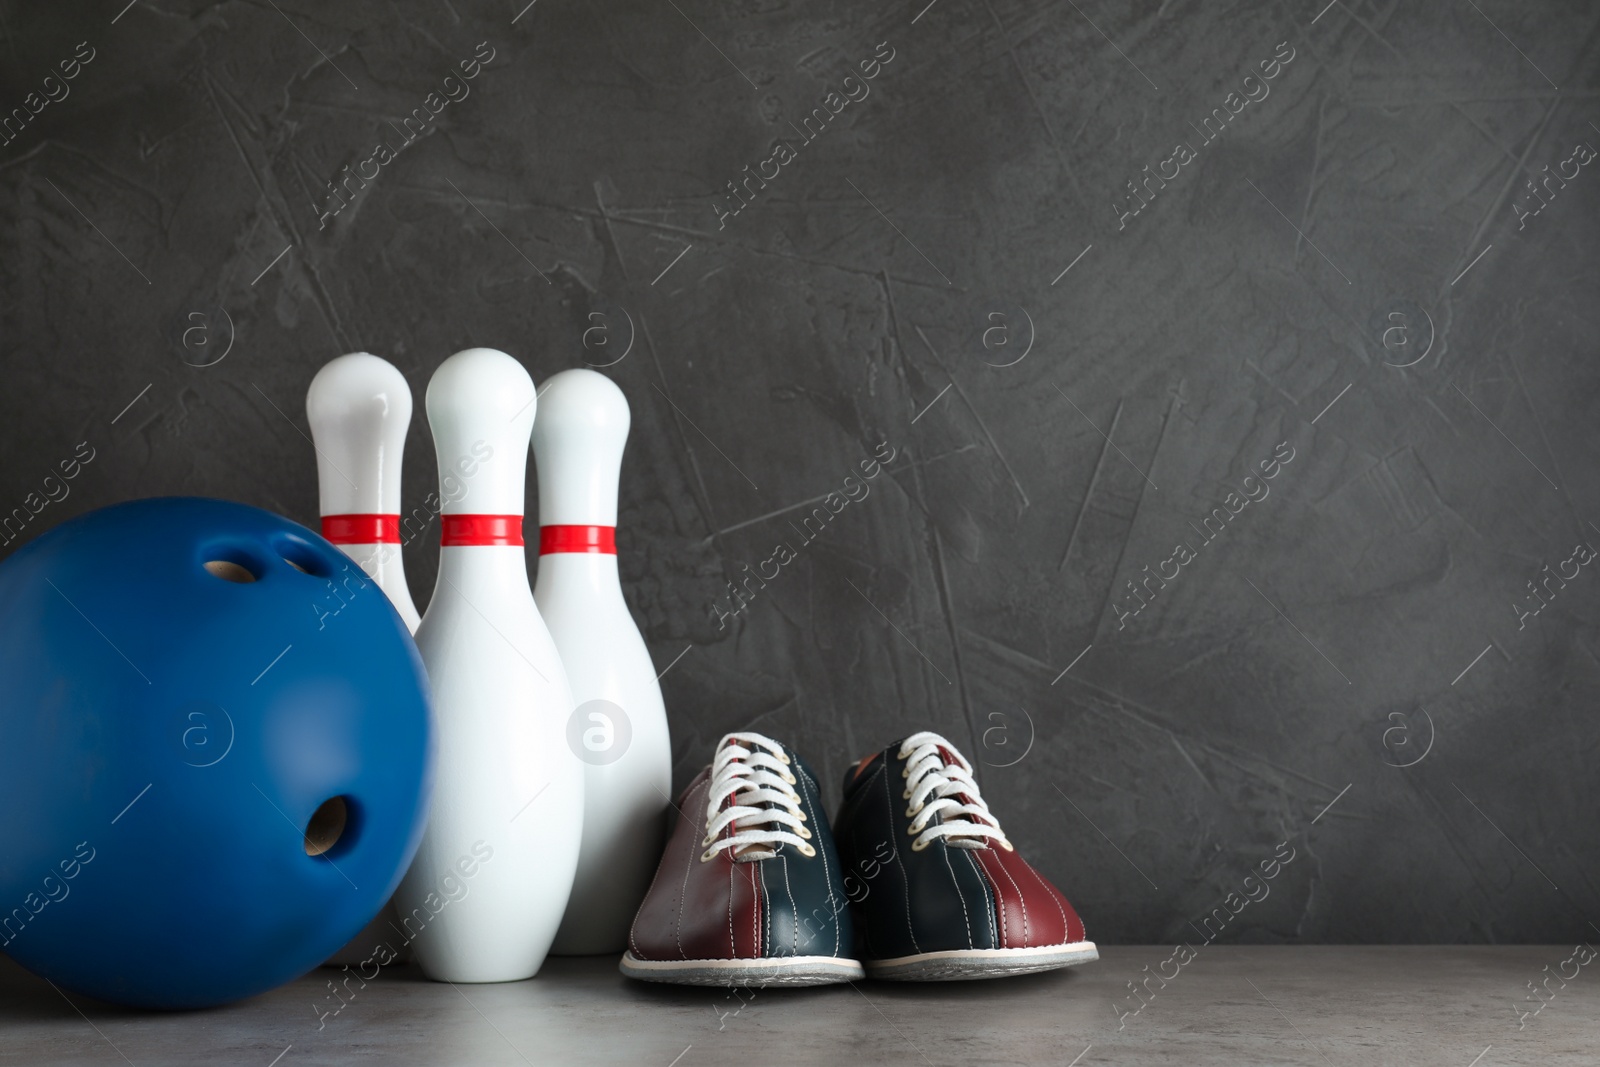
1027	934
794	909
895	837
756	887
833	905
764	946
988	901
733	945
966	917
683	894
1002	935
1050	891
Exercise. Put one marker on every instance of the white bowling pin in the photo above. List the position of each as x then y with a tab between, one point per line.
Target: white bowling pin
620	727
359	407
486	892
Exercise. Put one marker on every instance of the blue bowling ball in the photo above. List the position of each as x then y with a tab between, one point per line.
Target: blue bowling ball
216	752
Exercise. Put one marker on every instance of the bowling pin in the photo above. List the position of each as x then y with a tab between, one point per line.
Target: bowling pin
359	407
486	892
620	725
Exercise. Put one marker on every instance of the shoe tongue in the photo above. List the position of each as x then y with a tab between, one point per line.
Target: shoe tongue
752	853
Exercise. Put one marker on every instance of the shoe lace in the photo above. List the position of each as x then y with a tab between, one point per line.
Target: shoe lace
943	788
752	806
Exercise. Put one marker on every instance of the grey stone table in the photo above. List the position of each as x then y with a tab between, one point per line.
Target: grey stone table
1330	1005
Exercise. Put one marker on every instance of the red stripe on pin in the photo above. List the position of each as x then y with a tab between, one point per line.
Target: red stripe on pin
601	539
461	530
362	529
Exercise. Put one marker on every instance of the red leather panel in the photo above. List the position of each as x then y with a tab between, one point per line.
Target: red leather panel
694	910
1029	911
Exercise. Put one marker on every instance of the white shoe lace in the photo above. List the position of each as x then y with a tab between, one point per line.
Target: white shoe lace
945	790
753	772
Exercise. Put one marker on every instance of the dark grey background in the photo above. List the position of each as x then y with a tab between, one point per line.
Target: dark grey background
1323	639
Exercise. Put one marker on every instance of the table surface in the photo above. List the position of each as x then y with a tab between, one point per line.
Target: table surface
1332	1005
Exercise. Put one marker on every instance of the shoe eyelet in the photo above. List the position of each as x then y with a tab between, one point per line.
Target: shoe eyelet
807	851
918	845
804	833
905	772
1006	845
784	756
802	813
905	794
911	813
791	779
706	856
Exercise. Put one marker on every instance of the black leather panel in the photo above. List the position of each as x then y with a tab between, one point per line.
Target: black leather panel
805	909
907	902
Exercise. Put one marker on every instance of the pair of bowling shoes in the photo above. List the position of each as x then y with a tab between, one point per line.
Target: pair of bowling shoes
915	881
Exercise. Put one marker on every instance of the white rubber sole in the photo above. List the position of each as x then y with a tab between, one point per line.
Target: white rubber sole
968	963
744	974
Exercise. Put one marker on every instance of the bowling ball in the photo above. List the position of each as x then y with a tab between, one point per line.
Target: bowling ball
216	751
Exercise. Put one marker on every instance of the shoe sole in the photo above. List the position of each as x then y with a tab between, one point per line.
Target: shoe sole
968	963
744	974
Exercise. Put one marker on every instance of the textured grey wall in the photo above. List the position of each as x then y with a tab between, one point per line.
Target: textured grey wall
1342	276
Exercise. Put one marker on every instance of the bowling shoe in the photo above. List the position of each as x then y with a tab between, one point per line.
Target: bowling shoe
940	893
749	892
